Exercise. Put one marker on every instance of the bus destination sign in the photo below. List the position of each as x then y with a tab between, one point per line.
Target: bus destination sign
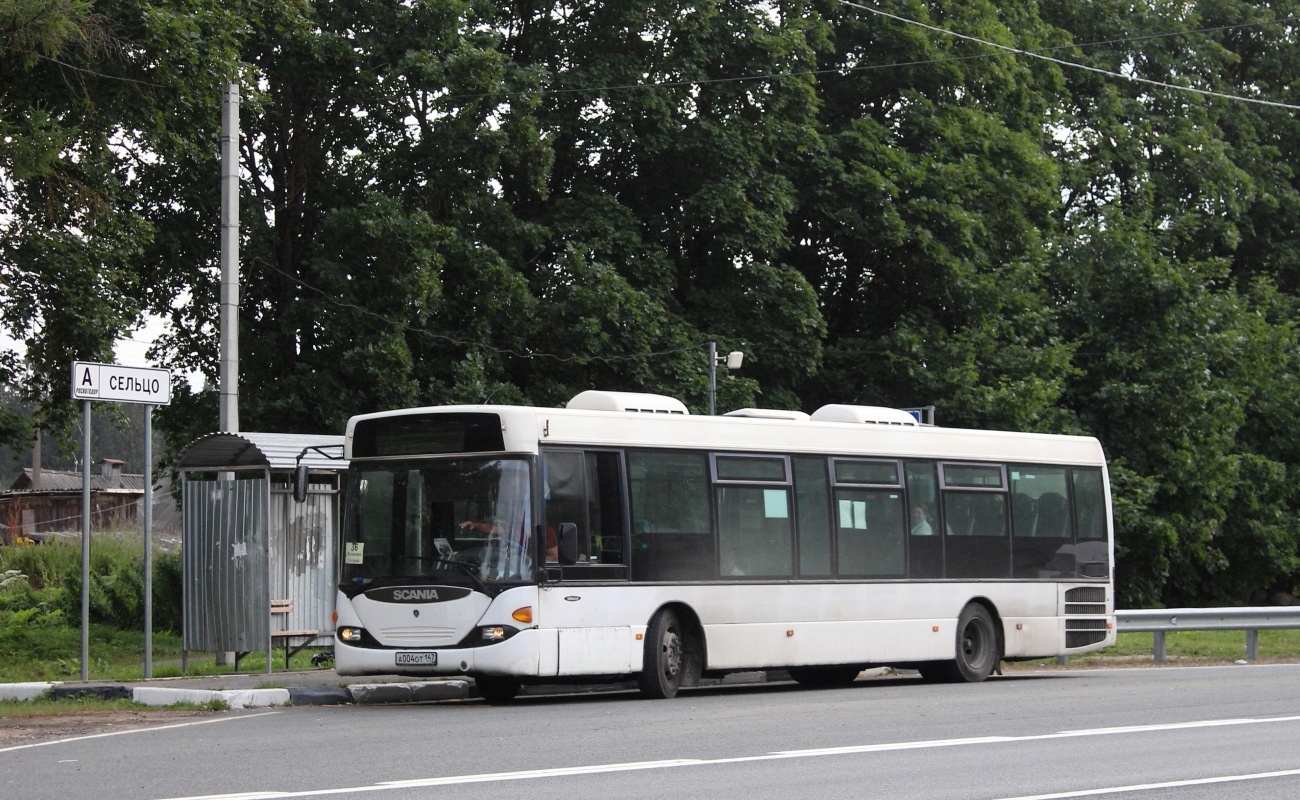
119	384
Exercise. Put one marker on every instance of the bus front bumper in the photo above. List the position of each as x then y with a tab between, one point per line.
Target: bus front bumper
518	655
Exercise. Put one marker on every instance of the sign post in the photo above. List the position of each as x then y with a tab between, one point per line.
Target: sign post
150	387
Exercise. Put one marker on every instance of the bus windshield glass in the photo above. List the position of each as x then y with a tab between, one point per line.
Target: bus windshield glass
452	521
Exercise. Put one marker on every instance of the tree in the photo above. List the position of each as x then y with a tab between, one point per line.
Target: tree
109	105
926	220
1178	344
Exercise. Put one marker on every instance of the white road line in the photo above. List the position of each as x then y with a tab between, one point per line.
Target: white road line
1141	787
596	769
134	730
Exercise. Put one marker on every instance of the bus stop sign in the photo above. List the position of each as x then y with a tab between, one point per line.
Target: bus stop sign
121	384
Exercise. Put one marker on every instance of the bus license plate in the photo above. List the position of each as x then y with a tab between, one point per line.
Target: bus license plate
417	659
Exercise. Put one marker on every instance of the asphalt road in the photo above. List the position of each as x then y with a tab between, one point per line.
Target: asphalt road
1192	732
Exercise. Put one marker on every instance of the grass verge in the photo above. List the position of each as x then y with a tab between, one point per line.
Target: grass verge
1186	647
53	653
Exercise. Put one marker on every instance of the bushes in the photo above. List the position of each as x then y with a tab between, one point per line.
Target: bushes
53	583
44	564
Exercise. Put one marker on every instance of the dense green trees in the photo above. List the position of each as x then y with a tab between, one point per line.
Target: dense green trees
466	200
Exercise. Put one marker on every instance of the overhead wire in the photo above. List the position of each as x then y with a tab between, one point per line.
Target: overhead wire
583	359
842	70
1073	64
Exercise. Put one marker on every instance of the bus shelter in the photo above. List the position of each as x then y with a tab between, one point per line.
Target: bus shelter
259	570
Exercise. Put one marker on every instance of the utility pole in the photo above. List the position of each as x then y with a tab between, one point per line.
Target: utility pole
228	372
229	357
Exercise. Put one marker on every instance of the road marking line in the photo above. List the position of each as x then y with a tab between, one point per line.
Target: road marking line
134	730
875	748
1141	787
596	769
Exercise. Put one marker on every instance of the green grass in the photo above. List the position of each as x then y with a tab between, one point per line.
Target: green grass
53	653
1183	647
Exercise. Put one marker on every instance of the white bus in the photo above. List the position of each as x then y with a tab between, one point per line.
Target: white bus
621	537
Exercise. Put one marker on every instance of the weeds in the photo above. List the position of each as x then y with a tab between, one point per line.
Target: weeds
84	704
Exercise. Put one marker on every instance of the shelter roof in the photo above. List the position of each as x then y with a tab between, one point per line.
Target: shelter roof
277	451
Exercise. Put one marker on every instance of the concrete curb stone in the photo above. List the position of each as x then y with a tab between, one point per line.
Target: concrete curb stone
24	691
430	691
374	693
235	698
319	696
67	691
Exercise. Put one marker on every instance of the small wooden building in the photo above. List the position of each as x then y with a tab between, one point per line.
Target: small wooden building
34	510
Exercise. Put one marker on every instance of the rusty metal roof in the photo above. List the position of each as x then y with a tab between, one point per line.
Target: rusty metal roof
278	451
60	481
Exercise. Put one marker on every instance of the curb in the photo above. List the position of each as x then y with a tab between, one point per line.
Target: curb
24	691
358	693
233	698
366	693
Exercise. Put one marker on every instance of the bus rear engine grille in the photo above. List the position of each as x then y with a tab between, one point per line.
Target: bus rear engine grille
1086	594
1083	632
1085	608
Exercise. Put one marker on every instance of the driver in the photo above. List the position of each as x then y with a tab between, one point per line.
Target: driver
481	527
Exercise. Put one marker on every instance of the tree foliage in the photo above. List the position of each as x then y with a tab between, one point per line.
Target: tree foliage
462	200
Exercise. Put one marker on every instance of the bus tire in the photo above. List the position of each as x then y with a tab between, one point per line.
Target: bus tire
977	650
824	676
665	657
497	689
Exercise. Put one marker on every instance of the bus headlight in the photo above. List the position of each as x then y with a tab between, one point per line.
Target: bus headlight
495	633
349	635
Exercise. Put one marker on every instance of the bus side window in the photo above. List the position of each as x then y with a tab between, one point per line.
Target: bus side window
812	501
925	544
673	535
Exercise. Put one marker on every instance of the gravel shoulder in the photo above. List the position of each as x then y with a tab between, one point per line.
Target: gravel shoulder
18	730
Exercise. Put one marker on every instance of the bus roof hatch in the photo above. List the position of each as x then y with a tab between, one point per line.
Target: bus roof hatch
594	400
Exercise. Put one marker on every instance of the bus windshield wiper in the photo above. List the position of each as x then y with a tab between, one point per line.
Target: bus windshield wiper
469	570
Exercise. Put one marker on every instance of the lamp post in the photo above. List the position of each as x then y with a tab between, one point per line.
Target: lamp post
732	361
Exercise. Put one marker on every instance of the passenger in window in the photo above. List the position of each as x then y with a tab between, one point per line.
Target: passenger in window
729	566
921	522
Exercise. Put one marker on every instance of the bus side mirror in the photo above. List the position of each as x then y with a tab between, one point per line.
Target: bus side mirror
300	483
568	533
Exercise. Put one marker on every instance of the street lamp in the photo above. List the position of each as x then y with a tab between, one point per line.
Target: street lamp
732	361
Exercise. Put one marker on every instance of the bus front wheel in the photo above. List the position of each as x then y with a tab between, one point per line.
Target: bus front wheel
664	659
977	650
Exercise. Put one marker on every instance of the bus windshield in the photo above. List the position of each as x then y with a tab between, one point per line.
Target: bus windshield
457	521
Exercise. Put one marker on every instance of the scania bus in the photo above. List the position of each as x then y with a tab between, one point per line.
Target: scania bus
623	538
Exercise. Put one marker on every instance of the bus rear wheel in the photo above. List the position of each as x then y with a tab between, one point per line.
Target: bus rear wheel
664	660
977	650
497	689
824	676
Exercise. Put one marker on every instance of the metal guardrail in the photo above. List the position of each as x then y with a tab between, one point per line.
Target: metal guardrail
1252	620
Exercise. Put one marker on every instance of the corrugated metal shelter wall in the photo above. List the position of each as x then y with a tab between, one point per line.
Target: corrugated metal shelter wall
303	542
224	552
